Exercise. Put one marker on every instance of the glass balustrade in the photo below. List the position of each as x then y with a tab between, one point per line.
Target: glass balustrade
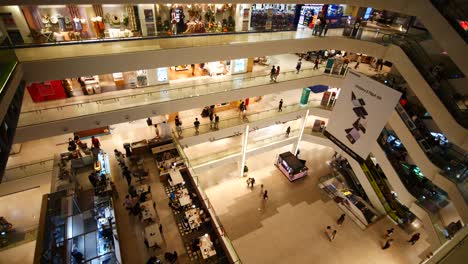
237	119
430	196
456	13
28	170
153	95
449	158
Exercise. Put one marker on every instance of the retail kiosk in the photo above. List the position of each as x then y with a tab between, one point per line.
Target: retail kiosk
292	167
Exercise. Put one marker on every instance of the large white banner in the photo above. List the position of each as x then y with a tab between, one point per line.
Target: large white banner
360	113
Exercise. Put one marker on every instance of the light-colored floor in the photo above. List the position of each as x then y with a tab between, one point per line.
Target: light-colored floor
290	226
23	254
22	209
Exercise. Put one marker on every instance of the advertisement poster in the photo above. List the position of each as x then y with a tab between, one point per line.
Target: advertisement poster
360	113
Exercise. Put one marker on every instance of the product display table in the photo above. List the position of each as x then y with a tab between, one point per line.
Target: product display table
153	236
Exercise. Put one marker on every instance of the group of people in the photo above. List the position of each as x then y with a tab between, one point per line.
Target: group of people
320	27
274	73
389	241
132	200
331	233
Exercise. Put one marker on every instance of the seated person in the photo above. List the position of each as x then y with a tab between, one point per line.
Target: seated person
136	210
172	196
143	196
132	191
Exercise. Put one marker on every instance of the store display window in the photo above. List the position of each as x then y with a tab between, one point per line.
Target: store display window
272	17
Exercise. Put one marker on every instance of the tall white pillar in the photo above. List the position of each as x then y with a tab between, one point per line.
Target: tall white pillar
245	140
301	132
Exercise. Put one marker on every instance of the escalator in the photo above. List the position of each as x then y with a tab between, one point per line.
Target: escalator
456	13
435	76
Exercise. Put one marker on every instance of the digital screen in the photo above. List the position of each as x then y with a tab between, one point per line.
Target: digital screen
368	13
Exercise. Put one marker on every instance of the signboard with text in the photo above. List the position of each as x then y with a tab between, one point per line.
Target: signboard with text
360	114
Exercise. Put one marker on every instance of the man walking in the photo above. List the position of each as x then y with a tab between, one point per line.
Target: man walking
196	124
387	244
389	232
288	130
298	66
252	182
272	73
211	120
216	122
280	106
128	176
316	62
265	195
277	73
178	125
414	238
341	220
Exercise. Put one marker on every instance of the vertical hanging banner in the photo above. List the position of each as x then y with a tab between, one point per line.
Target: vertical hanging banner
360	114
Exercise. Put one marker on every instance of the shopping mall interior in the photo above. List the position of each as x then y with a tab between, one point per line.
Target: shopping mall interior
216	132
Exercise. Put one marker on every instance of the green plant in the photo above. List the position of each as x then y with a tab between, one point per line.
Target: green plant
246	169
125	21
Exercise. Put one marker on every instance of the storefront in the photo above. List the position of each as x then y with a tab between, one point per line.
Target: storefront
273	17
97	84
334	14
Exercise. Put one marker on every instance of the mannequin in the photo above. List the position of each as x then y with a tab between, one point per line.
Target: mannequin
77	24
173	21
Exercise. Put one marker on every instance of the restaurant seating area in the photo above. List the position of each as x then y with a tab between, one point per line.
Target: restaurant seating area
201	241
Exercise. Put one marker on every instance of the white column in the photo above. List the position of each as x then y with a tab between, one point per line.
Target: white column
245	140
303	124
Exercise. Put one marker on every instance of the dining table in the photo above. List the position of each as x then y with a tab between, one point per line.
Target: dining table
193	216
184	197
147	210
176	177
206	246
153	236
142	189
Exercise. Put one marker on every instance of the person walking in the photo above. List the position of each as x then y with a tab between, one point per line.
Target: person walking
272	73
277	73
316	62
325	28
389	232
178	125
128	176
359	59
261	189
211	120
248	181
328	232
414	238
252	182
265	195
160	229
387	244
298	66
216	124
149	122
341	220
333	235
196	124
156	130
280	106
288	130
241	108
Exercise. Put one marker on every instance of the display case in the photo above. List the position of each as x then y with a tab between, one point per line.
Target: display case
291	166
77	228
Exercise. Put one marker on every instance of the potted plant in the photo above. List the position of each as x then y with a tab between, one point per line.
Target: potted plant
246	170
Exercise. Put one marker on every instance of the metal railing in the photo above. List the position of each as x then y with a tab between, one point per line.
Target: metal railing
29	169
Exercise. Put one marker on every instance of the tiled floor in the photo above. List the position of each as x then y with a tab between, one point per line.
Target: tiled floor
290	226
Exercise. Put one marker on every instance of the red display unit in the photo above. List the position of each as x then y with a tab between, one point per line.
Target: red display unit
47	91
